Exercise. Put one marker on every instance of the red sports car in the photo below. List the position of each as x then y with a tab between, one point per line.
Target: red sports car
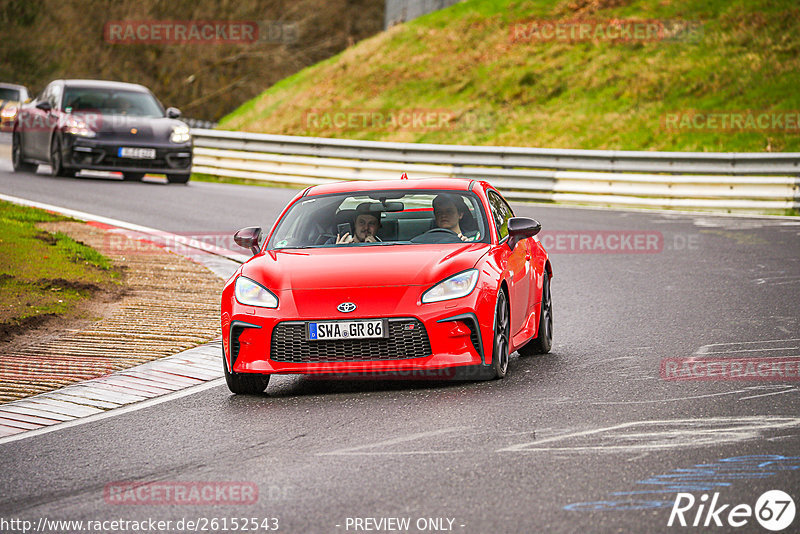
405	277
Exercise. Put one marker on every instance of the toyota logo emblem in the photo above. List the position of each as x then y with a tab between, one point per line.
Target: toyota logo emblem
346	307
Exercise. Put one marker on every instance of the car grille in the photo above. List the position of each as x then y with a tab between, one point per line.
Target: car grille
106	157
407	339
113	161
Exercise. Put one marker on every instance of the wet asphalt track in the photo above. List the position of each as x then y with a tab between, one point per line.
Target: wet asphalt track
589	438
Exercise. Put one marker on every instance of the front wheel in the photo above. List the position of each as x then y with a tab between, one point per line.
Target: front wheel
57	161
502	329
244	383
17	160
544	339
177	178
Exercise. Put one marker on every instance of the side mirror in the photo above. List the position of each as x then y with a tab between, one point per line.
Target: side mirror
248	238
44	105
520	228
173	113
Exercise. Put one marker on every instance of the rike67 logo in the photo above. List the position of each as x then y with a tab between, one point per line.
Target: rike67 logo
774	510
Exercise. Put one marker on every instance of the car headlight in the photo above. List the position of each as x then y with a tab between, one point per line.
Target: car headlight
457	286
180	134
76	126
252	293
9	112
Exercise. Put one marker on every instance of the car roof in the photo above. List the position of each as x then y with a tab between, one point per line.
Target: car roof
455	184
105	84
13	86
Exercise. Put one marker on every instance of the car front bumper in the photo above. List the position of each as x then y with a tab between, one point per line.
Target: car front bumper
103	155
442	336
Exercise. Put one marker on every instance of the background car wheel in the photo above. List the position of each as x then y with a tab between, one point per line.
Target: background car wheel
244	383
56	162
132	176
544	340
502	329
177	178
20	165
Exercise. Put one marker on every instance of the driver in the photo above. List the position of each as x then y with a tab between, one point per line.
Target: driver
448	213
120	105
366	226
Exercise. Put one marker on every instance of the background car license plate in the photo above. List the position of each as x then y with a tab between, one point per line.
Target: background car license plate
136	153
329	330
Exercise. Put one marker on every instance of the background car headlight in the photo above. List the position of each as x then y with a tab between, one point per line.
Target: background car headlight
9	112
254	294
180	134
76	126
457	286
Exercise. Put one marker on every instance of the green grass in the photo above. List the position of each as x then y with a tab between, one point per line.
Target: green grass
43	273
462	62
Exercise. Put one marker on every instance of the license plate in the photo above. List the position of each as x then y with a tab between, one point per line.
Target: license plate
136	153
330	330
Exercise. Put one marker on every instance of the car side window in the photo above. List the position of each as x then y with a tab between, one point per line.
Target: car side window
501	213
55	96
48	95
43	96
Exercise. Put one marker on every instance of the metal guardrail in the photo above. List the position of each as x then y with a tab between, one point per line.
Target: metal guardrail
729	181
199	123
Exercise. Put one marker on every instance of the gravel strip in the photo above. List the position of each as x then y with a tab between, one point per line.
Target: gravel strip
170	304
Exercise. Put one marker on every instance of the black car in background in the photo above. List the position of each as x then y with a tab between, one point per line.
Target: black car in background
101	125
12	96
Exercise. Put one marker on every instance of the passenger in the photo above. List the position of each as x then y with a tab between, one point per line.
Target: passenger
449	211
366	226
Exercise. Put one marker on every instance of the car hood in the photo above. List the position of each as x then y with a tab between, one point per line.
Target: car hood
361	266
118	126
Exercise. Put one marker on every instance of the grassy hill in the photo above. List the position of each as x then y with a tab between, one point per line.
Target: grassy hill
482	85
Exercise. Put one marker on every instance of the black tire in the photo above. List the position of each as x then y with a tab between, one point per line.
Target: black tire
543	341
132	176
19	163
56	162
502	334
244	383
177	178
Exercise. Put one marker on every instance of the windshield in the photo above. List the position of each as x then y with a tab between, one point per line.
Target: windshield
9	94
382	218
111	102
